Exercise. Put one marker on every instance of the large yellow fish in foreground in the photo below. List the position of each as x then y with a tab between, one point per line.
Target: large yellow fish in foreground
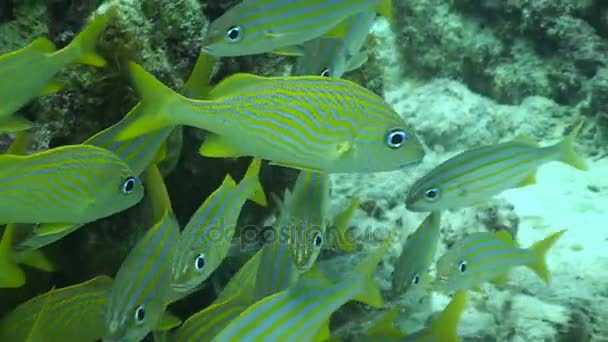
308	122
27	73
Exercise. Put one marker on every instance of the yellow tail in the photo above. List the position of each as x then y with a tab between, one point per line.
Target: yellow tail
153	113
568	154
11	276
445	327
540	249
87	39
370	293
157	192
253	172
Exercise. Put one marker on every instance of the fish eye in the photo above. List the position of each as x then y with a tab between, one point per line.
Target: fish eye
462	266
432	194
416	279
318	240
199	262
325	72
140	314
233	34
396	138
128	185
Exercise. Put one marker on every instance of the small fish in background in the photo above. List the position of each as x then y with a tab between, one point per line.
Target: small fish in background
206	239
417	254
28	72
306	122
137	300
301	312
138	153
474	176
260	26
67	184
73	313
335	55
443	329
488	256
303	218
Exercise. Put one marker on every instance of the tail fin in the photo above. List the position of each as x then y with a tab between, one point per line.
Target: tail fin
540	249
35	259
445	327
11	276
86	40
157	192
341	223
197	86
370	293
152	115
384	327
258	196
567	153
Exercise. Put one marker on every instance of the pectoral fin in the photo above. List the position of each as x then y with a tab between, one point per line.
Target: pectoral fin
218	146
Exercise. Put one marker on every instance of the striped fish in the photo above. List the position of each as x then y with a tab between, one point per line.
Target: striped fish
276	272
489	256
306	122
75	184
444	328
300	312
333	56
73	313
474	176
138	153
137	299
206	239
244	279
205	324
28	72
417	254
303	219
259	26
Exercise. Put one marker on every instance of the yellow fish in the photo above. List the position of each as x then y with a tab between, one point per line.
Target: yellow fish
27	73
310	123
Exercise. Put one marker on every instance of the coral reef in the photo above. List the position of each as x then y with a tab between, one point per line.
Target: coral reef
509	50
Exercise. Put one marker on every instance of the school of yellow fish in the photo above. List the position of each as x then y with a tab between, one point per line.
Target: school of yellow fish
313	121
